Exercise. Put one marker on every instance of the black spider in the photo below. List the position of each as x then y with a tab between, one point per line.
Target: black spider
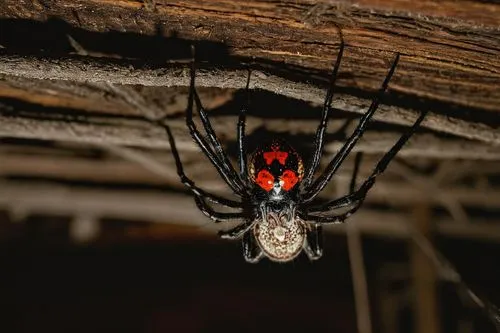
279	213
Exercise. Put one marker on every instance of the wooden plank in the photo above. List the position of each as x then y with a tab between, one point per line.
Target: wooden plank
449	61
138	133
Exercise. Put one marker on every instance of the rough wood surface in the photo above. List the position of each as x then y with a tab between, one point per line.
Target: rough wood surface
468	124
58	59
449	51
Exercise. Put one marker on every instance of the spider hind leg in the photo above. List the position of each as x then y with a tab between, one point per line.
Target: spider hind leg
251	250
314	242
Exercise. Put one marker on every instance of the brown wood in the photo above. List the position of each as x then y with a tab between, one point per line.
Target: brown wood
278	39
444	57
483	128
59	59
449	51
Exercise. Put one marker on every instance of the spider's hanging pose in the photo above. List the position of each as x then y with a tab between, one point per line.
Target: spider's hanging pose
278	212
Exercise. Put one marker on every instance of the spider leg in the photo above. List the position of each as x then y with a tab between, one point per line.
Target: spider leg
251	251
352	197
224	169
344	201
237	231
335	163
357	163
359	195
188	182
207	125
320	132
341	202
330	219
242	156
214	215
314	242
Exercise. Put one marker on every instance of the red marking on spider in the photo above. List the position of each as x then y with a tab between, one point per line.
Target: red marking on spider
270	156
289	179
265	180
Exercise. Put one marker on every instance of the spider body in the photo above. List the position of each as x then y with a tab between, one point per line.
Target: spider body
278	211
276	169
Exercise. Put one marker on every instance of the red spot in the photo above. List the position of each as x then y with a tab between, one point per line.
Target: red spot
289	179
265	180
281	156
270	156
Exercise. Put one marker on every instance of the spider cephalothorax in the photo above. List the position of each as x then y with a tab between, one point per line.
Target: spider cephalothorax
276	168
278	210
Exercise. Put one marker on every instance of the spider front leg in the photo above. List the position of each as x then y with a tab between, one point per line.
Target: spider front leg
345	201
207	125
218	159
320	132
359	195
188	182
242	155
313	190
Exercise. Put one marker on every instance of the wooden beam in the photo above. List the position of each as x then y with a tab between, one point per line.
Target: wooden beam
448	53
95	71
139	133
304	33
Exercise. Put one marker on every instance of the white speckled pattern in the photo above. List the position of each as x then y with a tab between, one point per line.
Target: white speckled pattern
280	238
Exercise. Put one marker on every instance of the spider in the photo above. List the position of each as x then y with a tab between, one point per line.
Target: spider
278	211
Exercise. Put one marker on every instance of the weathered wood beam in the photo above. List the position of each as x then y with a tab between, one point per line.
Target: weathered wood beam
96	99
449	52
142	134
71	69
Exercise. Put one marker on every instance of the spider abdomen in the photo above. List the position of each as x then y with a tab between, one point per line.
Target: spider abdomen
280	240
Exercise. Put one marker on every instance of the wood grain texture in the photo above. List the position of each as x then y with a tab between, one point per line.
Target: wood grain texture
58	59
464	122
450	51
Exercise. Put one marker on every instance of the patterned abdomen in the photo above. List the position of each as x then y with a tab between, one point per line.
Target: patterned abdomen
280	240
